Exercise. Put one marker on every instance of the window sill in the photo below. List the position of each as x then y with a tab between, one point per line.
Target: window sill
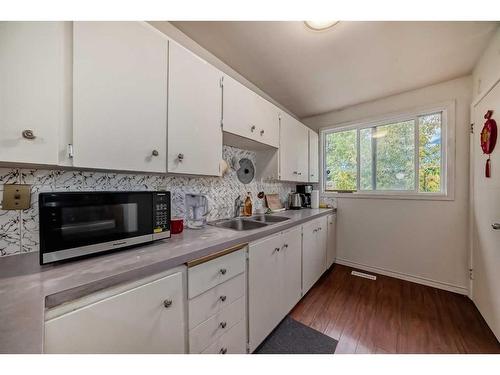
394	196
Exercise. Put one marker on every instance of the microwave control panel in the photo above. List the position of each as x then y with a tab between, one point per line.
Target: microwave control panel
161	209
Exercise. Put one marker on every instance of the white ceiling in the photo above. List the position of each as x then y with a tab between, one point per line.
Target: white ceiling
315	72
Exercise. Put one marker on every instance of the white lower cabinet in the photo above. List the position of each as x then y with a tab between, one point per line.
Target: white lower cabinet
313	252
274	283
217	305
331	252
141	317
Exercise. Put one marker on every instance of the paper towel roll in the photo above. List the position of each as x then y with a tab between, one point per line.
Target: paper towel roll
315	199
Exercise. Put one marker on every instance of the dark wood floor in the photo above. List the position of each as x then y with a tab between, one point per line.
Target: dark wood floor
393	316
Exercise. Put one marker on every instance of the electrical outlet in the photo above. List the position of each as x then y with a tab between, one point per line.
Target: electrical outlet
16	197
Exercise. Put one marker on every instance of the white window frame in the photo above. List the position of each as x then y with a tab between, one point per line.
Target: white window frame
447	153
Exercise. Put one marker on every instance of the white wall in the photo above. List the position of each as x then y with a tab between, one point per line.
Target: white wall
487	71
423	241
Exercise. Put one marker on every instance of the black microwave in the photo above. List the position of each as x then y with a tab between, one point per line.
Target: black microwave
78	224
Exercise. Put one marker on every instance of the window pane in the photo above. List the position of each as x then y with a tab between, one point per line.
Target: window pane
340	157
366	159
395	156
430	153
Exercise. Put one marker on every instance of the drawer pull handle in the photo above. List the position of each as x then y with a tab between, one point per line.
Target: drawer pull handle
223	271
277	249
252	128
167	303
223	351
223	324
223	298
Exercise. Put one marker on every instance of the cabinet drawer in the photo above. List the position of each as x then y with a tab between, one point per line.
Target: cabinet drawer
214	300
207	275
209	331
231	342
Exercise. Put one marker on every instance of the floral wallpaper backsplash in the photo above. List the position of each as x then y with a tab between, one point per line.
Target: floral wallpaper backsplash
19	229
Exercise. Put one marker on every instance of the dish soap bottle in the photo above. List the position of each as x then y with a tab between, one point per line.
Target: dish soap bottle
247	207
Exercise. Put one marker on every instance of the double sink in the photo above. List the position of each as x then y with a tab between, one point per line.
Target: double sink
250	222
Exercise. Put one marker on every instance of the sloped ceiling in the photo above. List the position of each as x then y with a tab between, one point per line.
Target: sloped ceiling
312	72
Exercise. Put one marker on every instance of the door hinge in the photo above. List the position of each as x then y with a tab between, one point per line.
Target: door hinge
70	151
221	82
471	274
472	128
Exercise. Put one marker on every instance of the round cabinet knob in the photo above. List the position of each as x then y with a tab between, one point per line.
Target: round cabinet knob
28	134
223	324
277	249
223	271
222	298
252	128
223	351
180	157
261	133
167	303
286	246
155	153
295	172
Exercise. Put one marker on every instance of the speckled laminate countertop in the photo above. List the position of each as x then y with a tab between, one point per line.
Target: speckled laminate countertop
24	284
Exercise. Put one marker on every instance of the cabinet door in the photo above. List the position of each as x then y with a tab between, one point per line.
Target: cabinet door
265	288
313	252
294	145
313	156
194	114
267	122
331	241
292	257
239	109
133	321
34	65
119	96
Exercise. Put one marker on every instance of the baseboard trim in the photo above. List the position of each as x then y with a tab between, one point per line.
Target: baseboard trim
403	276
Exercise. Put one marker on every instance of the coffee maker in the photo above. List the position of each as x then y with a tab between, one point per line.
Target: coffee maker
305	191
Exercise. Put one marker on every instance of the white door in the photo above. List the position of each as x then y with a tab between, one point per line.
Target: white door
486	254
35	59
294	146
239	109
292	256
119	96
145	319
331	241
313	156
265	288
313	252
194	114
267	122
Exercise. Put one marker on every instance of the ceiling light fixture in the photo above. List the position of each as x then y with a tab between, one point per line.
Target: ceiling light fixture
320	25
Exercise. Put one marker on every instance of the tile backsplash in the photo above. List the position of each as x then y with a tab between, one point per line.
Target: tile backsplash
19	229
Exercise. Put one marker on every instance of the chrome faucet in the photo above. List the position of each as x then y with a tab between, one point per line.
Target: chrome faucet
238	203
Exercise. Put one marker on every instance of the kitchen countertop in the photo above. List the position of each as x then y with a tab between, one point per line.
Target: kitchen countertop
25	285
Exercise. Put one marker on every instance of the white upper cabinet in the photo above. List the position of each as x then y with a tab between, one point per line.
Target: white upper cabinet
35	68
194	114
119	96
294	150
248	115
313	156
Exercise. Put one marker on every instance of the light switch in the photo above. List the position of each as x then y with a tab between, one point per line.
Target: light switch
16	197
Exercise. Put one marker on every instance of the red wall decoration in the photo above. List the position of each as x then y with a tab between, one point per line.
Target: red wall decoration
488	139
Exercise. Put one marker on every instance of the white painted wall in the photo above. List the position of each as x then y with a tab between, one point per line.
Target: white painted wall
423	241
487	70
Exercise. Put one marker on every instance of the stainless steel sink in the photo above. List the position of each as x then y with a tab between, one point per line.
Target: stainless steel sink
239	224
268	218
